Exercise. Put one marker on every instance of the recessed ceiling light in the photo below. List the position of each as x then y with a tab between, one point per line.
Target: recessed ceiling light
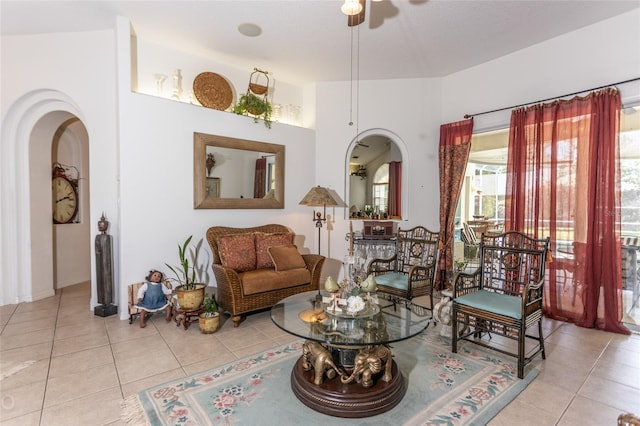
249	29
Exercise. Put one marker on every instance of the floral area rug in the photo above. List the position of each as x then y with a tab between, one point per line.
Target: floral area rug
443	388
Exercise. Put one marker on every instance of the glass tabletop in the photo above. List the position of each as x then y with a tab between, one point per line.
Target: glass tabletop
305	316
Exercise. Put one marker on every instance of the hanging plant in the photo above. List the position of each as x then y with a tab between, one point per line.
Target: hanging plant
256	106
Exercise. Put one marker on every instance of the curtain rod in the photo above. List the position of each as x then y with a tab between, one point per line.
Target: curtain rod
550	99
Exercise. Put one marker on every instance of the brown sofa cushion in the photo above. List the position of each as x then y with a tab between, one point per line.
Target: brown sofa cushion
264	241
265	280
238	252
286	257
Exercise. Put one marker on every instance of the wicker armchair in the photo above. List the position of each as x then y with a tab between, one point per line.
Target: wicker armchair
238	300
411	271
503	296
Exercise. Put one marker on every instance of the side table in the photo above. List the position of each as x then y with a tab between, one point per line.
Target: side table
186	317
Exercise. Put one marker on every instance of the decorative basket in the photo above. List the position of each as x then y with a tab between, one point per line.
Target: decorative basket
213	91
209	325
254	85
255	110
258	89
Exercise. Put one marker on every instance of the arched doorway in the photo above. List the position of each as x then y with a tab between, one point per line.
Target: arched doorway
31	258
366	152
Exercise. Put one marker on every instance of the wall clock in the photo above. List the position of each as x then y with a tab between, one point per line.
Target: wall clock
65	199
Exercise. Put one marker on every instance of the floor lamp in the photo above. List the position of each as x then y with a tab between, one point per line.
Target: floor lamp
316	197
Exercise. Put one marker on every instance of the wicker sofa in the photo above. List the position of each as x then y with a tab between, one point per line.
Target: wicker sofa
257	267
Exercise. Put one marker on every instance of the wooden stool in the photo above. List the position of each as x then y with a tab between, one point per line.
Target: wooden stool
186	317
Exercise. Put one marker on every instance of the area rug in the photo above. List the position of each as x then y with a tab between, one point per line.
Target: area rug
443	388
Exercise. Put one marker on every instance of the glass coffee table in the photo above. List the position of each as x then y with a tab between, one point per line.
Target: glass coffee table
346	368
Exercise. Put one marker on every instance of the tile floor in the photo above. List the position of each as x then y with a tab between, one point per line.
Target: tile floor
62	365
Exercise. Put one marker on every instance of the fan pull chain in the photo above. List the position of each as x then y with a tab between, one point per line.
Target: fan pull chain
351	81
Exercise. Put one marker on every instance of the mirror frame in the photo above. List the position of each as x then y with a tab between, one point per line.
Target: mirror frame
200	200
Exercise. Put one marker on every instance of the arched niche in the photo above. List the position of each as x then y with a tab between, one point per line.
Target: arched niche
367	152
31	124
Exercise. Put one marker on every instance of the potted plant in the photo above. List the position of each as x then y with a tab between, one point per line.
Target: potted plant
256	106
190	294
209	320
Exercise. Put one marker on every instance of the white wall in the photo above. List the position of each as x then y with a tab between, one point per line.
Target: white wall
408	108
597	55
156	181
41	74
154	58
72	248
141	147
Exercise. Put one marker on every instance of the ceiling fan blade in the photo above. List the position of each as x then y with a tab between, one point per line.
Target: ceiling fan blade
358	19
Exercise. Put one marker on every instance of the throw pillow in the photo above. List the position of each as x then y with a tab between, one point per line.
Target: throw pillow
264	241
286	257
238	252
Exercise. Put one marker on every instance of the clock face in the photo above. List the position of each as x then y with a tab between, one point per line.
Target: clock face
65	200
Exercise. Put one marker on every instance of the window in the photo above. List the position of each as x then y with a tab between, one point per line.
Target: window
381	189
630	180
484	186
485	182
485	178
271	176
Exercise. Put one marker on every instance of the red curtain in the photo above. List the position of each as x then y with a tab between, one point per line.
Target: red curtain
563	180
260	178
395	185
455	145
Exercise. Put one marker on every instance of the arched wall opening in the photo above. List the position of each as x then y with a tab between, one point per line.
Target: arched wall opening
397	151
32	260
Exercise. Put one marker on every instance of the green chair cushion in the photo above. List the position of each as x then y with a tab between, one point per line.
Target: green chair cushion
502	304
395	280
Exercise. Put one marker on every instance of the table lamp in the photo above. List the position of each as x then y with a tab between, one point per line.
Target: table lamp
318	196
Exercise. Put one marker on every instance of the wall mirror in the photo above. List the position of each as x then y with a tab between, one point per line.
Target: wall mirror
230	173
376	162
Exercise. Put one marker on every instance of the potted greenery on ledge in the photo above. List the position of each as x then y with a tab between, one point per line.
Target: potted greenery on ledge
190	294
209	320
256	106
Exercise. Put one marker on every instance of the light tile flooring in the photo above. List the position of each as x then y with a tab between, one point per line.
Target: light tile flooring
62	365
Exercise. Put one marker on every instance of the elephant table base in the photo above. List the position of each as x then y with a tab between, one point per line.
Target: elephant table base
351	400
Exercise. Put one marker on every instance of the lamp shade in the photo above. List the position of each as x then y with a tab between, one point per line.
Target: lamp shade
351	7
318	196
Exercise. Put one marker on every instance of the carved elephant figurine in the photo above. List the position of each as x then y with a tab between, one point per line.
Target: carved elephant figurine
368	362
317	357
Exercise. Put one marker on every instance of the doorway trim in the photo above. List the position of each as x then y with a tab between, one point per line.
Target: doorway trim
16	249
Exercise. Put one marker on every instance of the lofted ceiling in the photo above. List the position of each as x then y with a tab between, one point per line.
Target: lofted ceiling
308	41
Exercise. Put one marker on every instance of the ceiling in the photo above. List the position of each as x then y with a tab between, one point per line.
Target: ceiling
307	41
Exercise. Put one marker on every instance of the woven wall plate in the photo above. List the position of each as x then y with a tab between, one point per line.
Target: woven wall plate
213	91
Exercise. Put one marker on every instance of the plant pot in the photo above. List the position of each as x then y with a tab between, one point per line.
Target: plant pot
190	300
209	324
258	89
255	109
